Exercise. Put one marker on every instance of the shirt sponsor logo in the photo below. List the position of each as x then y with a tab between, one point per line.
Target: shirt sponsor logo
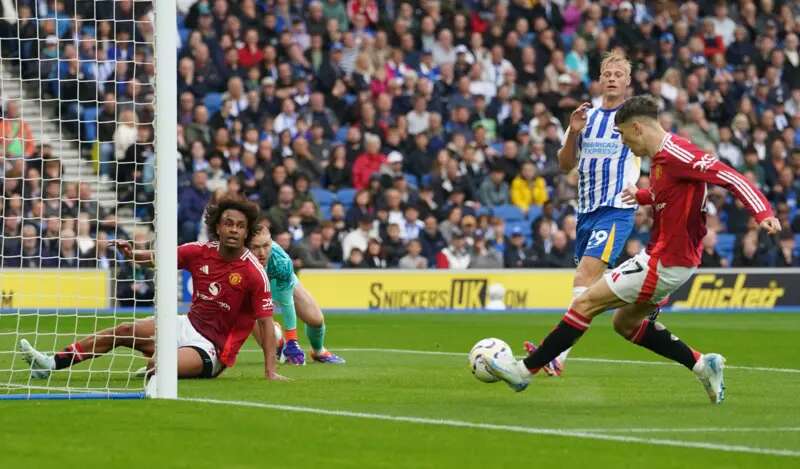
214	289
234	279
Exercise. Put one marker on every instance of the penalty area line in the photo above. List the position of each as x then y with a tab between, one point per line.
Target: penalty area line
582	434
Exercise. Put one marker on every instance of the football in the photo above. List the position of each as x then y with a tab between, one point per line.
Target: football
279	342
483	351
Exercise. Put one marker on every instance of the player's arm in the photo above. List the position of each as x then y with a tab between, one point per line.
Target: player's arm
266	330
708	168
632	195
568	154
261	299
141	256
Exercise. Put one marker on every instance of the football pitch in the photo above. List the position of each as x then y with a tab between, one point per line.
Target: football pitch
406	398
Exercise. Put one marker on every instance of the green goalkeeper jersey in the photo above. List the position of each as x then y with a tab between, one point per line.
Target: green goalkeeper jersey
280	269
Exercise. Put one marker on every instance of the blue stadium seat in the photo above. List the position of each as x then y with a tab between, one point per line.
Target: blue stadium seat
341	134
508	213
213	102
346	196
89	123
535	212
725	243
484	211
411	179
323	196
184	33
325	212
796	245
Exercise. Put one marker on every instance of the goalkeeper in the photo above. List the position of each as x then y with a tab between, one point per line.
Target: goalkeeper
287	291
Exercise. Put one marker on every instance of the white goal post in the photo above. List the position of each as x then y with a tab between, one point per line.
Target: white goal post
88	155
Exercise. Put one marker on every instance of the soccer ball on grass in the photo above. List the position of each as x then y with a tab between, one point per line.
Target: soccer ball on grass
484	351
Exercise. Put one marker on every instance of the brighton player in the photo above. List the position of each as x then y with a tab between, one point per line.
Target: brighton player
287	291
231	295
605	166
679	176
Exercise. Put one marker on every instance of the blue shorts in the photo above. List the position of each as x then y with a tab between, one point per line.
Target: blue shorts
603	233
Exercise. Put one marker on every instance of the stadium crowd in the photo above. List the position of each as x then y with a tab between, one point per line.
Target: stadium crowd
398	133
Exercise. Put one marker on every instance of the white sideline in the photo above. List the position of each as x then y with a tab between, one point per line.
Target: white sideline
577	359
589	435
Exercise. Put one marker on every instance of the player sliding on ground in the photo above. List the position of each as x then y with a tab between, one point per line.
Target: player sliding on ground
605	167
231	295
679	174
287	291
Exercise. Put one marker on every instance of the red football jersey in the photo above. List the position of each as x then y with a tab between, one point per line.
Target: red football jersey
678	177
228	296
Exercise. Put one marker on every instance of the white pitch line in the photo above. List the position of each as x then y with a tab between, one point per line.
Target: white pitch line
507	428
577	359
690	430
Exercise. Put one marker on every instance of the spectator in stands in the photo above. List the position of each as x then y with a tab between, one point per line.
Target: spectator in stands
375	257
494	189
278	214
359	237
392	246
516	254
368	162
432	240
362	206
787	249
15	132
710	257
483	255
413	258
561	253
311	254
456	255
356	259
12	241
528	188
330	245
748	255
30	249
193	203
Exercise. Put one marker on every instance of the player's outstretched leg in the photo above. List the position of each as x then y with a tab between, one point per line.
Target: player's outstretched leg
284	300
311	314
637	323
595	300
136	335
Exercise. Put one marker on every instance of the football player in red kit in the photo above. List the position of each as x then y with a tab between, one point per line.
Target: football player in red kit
231	294
679	175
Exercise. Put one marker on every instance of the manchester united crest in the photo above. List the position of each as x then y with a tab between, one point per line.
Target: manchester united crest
657	172
234	279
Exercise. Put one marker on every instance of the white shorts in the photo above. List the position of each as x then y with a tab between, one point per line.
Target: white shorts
189	337
639	280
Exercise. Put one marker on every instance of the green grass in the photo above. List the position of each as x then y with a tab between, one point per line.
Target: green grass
593	396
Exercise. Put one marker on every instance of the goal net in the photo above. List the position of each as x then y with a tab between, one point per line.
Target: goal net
77	146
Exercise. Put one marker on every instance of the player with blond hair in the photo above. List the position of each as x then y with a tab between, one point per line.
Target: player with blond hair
678	190
605	167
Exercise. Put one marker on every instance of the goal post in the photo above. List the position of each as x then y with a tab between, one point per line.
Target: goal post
88	155
166	204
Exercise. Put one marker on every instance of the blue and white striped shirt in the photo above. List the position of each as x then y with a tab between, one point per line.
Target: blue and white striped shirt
605	165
